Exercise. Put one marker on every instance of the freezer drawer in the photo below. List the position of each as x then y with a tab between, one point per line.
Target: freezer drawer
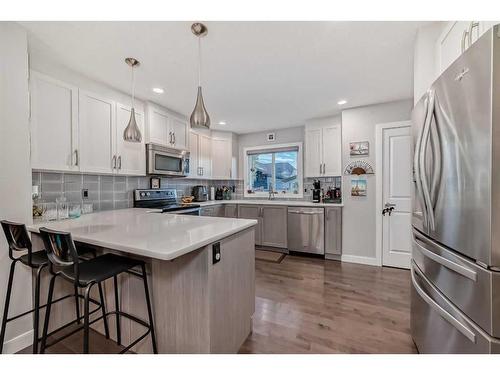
473	289
437	326
306	230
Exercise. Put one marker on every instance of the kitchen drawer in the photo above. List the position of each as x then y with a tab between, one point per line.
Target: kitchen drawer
473	289
437	326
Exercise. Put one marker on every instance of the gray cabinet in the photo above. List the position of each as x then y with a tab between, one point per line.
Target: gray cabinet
252	212
333	230
231	210
271	229
274	226
213	211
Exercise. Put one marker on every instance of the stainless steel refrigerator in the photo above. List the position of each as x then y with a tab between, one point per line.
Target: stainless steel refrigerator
455	268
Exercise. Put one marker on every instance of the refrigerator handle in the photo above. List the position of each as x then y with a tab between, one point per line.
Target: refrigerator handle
442	312
436	154
458	268
422	155
416	165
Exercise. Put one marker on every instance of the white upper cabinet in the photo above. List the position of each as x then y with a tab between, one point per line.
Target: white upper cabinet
323	149
179	133
194	145
313	158
165	128
96	133
332	150
221	158
457	37
131	156
54	124
205	156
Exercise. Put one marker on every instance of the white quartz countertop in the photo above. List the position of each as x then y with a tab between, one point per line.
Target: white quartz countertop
270	203
142	232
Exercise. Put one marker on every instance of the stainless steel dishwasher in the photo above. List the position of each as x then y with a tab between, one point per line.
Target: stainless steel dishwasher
306	229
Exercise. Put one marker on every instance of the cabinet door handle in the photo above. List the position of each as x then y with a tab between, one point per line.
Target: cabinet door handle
173	138
472	26
120	162
462	43
113	162
320	166
77	159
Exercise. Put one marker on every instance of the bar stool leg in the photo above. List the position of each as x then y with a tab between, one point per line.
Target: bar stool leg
77	306
36	312
103	309
150	312
7	302
47	314
86	319
117	309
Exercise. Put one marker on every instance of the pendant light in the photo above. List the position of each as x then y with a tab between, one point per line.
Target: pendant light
132	133
199	118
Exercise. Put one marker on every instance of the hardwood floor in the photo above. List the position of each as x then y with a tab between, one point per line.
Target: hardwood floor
308	305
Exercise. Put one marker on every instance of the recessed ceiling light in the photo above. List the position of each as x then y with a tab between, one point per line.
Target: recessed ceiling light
222	123
158	90
342	102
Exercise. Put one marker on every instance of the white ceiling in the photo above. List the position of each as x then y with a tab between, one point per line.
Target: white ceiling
256	75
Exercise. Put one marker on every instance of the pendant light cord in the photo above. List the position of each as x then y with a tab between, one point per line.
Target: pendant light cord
133	87
199	62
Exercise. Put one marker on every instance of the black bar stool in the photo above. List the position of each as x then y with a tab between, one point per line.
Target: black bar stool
19	241
64	262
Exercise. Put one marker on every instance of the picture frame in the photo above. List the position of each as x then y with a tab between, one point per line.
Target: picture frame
359	148
155	182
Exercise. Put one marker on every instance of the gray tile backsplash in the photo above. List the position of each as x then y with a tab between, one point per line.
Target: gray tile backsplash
113	192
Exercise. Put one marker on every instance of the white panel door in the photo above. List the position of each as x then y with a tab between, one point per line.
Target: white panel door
313	155
194	158
221	158
96	130
54	124
131	156
158	122
332	150
396	191
205	156
179	131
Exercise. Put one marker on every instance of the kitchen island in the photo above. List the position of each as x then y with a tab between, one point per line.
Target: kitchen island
200	305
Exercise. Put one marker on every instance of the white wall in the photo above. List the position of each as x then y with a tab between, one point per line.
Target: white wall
288	135
358	225
426	58
15	174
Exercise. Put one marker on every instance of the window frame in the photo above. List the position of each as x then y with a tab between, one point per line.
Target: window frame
274	148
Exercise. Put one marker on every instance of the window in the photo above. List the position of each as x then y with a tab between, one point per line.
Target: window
277	168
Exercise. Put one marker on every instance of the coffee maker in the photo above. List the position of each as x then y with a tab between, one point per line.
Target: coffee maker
316	191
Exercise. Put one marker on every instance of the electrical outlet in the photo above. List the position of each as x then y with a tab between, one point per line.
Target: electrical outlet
85	193
216	253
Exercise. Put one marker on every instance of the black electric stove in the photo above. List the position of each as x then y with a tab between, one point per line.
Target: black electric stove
164	200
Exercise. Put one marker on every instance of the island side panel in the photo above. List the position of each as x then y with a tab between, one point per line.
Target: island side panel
232	292
181	307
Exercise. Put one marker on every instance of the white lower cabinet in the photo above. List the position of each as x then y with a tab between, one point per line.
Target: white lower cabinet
53	124
96	133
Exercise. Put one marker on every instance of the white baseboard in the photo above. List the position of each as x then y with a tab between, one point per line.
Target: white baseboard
18	343
360	260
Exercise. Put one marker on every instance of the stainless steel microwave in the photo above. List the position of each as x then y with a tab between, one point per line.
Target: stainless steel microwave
161	160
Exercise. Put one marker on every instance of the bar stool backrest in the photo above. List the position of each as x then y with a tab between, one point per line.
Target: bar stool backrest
60	249
17	238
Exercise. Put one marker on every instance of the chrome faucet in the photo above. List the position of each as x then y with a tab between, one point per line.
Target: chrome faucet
271	192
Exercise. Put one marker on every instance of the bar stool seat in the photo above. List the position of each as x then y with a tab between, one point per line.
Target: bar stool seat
38	258
99	269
